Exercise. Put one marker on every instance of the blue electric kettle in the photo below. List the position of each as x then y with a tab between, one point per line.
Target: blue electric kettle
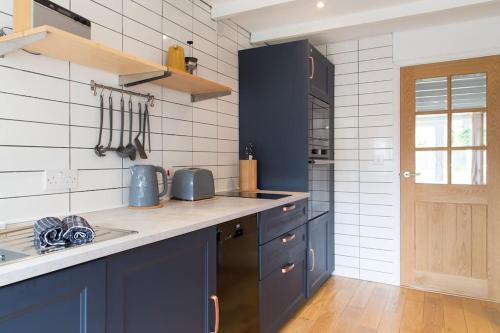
144	185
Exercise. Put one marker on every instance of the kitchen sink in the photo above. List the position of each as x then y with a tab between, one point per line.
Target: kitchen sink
18	243
6	255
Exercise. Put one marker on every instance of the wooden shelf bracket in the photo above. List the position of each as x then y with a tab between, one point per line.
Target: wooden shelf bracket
131	80
20	42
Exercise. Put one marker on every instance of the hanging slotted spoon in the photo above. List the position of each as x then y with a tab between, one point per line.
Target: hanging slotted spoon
121	150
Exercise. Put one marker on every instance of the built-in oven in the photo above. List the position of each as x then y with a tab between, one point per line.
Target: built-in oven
321	153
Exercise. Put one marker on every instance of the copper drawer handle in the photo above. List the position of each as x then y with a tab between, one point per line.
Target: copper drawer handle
288	208
216	305
288	238
287	268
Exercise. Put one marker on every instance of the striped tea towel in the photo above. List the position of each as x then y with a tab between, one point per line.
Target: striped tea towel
49	232
77	230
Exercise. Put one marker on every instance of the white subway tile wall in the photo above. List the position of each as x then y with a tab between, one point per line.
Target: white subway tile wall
49	118
367	240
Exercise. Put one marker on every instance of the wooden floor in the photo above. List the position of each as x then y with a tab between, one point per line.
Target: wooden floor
346	305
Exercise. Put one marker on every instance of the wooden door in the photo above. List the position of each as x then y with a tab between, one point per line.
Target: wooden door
450	177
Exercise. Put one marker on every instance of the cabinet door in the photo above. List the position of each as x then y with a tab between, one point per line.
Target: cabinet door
283	292
318	248
319	75
164	287
331	243
68	301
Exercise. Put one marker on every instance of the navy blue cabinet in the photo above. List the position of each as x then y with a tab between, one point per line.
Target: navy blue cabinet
164	287
287	112
321	80
318	270
282	257
274	91
68	301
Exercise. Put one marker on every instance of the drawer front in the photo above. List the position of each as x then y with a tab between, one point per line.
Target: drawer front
278	221
280	251
282	293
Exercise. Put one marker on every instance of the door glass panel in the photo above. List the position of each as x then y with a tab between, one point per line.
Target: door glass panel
468	129
431	94
468	91
431	130
431	167
468	167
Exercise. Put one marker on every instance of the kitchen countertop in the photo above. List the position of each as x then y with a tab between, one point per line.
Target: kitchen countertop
173	219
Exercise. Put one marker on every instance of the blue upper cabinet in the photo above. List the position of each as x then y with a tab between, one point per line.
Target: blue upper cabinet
166	286
276	85
274	89
320	75
72	300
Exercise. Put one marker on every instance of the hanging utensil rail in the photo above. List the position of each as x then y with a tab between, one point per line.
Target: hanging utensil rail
150	99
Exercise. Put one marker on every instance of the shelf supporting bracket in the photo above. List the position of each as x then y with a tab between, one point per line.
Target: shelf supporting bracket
131	80
18	43
201	97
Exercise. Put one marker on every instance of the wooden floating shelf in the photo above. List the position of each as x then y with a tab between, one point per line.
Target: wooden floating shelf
59	44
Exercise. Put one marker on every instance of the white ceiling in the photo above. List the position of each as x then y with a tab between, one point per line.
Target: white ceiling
277	20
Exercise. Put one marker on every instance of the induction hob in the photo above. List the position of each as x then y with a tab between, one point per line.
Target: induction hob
252	195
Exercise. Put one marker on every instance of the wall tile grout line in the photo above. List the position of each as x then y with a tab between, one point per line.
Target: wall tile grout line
363	113
211	142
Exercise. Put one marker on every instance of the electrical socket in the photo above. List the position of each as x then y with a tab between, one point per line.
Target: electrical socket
61	179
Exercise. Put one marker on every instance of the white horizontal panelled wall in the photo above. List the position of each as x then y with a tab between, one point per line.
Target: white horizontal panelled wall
49	119
366	194
455	41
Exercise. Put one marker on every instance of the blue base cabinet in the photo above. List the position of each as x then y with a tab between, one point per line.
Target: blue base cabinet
282	257
160	287
318	270
164	287
68	301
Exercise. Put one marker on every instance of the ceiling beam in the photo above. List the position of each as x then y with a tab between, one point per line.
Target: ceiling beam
231	8
378	15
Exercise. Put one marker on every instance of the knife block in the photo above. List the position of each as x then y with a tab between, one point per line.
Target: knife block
248	175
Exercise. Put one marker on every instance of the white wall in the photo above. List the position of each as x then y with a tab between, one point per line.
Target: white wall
366	184
49	118
367	126
447	42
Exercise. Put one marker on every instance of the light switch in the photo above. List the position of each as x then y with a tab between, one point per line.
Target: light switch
379	157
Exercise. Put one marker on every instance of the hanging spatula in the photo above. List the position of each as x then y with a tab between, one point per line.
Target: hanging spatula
138	144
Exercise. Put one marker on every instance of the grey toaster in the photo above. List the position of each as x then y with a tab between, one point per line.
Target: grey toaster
193	184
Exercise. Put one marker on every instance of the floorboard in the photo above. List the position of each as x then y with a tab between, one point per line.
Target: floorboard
354	306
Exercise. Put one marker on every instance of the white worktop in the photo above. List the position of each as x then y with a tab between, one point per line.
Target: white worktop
173	219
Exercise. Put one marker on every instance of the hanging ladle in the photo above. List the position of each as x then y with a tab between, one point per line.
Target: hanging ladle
131	152
121	150
138	144
98	149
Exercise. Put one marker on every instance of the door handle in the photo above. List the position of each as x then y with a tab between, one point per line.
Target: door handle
287	268
288	208
408	174
288	238
215	299
313	265
311	59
